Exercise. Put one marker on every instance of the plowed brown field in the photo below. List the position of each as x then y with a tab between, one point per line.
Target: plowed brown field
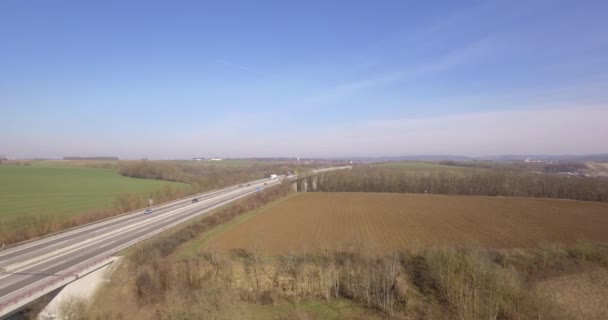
383	222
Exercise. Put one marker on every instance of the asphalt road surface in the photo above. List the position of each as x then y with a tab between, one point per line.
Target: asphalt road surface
27	265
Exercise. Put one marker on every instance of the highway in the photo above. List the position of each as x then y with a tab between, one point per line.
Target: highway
36	263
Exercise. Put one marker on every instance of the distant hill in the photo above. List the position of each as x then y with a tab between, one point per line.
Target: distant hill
588	157
433	158
406	158
90	158
506	157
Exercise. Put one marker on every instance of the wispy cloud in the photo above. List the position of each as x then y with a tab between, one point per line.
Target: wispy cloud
420	37
436	65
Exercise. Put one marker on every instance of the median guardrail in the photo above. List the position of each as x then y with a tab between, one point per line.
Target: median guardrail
97	262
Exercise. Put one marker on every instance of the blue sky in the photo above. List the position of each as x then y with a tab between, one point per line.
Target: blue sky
177	79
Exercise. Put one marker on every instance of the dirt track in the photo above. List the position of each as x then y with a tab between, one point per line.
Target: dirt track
383	222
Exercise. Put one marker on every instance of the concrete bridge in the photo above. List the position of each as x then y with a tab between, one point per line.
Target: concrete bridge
35	268
310	181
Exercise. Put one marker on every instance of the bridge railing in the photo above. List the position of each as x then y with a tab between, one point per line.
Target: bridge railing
47	285
75	272
316	171
78	270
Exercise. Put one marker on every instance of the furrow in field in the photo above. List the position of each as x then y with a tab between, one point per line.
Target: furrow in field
386	222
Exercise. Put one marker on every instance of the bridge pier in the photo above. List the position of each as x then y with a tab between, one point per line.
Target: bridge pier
82	289
314	180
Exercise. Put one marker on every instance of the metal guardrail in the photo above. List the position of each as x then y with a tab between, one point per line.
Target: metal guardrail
314	172
121	215
57	282
96	262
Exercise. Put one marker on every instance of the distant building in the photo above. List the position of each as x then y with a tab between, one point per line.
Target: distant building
536	161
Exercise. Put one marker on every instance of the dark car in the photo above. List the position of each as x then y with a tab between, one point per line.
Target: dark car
194	200
148	211
248	184
265	183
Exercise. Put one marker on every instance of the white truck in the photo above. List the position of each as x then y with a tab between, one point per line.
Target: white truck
273	176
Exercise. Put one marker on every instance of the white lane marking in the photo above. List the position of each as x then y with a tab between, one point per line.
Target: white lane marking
51	255
24	271
28	264
66	250
174	223
32	253
22	276
150	222
102	223
23	288
224	191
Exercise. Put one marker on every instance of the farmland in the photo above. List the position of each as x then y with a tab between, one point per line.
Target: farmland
410	165
41	197
377	259
383	223
63	191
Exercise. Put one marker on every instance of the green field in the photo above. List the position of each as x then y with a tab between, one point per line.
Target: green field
53	188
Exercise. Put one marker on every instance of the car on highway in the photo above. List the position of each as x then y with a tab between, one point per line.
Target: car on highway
248	185
148	211
194	200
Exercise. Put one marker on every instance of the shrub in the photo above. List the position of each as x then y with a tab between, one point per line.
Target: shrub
164	246
73	308
147	289
465	181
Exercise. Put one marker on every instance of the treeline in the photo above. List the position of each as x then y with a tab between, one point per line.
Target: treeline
564	167
465	181
468	164
152	170
16	163
437	283
201	177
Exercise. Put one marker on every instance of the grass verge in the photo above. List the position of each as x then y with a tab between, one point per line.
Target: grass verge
193	247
